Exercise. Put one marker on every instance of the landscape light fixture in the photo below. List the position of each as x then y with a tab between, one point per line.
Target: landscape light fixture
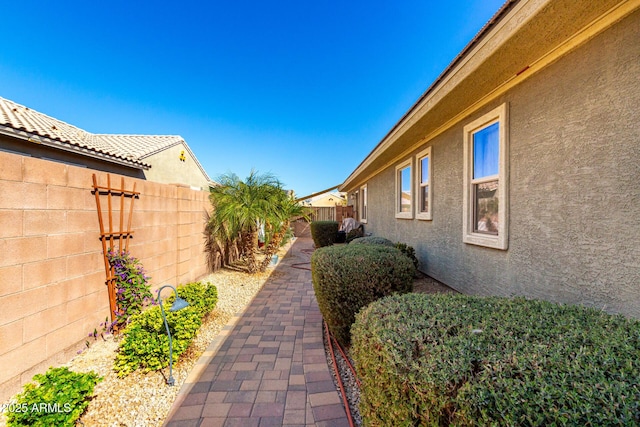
177	305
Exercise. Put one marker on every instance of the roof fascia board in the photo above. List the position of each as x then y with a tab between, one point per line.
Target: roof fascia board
453	75
596	26
64	146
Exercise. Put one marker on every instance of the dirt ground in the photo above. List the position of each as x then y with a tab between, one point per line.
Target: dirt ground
427	285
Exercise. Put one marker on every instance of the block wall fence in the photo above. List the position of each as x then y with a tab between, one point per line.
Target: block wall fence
52	275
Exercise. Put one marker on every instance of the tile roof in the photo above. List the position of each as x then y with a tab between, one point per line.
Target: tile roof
128	149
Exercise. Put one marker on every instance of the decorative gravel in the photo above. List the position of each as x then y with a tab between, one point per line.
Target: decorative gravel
144	399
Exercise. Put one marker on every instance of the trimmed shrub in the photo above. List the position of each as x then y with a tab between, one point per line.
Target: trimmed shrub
59	399
145	344
354	234
408	251
372	240
203	297
347	278
436	360
324	233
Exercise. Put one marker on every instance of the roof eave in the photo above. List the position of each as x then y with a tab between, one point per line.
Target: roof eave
524	37
69	147
504	9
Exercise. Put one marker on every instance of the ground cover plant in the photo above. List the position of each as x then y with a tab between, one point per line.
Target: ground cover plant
437	360
145	344
347	278
57	398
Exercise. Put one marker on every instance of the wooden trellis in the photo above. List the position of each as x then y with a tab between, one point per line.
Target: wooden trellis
117	238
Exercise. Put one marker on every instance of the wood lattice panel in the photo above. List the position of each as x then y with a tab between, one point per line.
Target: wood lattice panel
115	235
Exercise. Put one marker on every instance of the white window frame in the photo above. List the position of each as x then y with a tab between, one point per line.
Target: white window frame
426	153
364	204
500	241
398	192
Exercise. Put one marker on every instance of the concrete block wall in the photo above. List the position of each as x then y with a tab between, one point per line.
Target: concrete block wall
52	278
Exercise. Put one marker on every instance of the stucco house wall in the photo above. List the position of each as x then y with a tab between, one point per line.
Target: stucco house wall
574	186
176	165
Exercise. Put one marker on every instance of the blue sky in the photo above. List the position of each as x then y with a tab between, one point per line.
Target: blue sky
301	89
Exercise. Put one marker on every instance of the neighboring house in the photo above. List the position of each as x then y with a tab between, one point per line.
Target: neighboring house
326	200
159	158
518	171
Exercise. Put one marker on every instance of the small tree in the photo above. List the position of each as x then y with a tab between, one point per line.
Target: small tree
278	223
238	206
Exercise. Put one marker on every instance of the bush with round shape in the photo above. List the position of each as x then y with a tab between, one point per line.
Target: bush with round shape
372	240
354	234
408	251
324	233
466	361
145	345
347	278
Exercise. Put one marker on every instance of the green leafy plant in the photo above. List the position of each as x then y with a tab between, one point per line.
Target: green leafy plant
133	292
354	234
372	240
58	398
409	252
202	296
349	277
460	360
145	344
324	233
238	207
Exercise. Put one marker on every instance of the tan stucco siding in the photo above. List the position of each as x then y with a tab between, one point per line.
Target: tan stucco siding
168	168
574	223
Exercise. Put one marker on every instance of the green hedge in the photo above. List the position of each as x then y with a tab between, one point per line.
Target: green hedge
434	360
324	233
408	251
354	234
347	278
372	240
145	344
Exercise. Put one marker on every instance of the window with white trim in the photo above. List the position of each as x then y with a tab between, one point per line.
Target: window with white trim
404	193
486	160
423	184
363	203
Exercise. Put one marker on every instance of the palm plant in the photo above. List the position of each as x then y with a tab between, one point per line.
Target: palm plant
238	208
286	208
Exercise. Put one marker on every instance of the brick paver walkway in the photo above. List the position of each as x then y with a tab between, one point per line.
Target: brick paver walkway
269	369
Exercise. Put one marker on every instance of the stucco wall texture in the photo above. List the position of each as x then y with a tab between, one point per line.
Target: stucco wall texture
52	278
169	168
574	170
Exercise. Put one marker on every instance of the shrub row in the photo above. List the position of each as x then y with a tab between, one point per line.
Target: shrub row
145	344
403	247
459	360
347	278
324	233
